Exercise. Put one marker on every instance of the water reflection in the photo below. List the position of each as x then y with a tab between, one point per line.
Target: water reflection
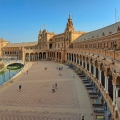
4	76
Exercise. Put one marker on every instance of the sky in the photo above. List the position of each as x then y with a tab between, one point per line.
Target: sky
21	20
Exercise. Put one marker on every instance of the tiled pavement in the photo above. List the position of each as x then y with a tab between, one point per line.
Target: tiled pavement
37	102
16	115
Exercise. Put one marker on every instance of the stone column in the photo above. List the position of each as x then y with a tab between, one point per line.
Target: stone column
117	89
63	56
76	60
100	76
79	61
85	64
55	56
94	71
106	84
82	63
90	67
113	95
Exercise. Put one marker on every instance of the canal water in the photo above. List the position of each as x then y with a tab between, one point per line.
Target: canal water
7	74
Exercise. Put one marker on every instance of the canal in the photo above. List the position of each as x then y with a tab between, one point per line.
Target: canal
9	72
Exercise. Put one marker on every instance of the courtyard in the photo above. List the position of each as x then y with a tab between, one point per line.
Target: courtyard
36	101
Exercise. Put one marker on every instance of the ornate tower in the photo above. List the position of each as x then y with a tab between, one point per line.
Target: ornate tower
69	30
42	39
69	25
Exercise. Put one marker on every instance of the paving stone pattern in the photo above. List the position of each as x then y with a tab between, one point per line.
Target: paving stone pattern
37	94
36	101
16	115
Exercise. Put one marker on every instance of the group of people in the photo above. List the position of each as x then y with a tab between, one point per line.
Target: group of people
54	87
59	68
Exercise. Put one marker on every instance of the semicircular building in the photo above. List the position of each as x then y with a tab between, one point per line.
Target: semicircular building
96	54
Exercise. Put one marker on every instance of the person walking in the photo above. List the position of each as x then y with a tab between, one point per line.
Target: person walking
82	117
73	76
60	74
20	87
53	88
56	85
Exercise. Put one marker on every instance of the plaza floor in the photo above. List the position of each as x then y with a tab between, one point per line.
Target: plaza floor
36	101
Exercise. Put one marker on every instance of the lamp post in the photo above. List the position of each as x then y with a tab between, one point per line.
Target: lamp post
4	77
9	73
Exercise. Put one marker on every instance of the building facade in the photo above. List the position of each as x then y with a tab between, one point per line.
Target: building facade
96	54
2	44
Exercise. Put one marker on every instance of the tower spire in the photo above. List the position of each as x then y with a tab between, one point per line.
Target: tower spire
69	16
44	26
69	26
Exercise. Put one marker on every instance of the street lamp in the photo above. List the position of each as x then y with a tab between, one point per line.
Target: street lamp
4	77
9	73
